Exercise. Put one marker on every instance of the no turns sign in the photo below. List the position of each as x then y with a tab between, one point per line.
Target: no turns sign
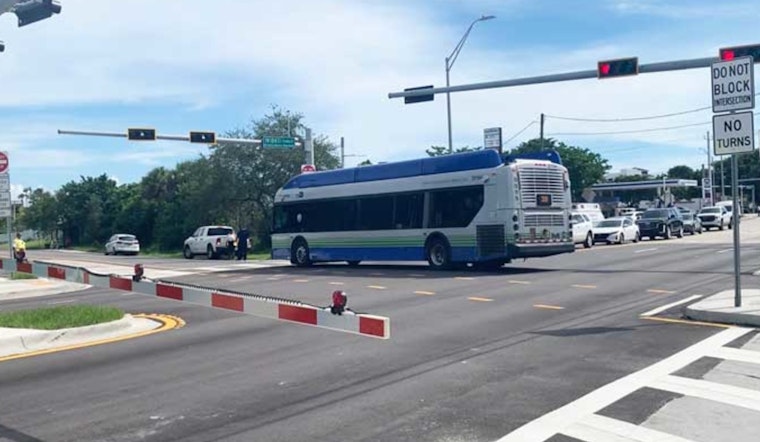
733	133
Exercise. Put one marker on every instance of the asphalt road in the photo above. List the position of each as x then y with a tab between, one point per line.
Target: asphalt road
472	355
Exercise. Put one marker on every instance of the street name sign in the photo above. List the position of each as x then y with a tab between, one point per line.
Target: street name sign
278	142
733	133
733	85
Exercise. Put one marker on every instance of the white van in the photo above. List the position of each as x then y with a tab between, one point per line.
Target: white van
729	205
592	210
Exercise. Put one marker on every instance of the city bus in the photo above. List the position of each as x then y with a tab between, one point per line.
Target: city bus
475	207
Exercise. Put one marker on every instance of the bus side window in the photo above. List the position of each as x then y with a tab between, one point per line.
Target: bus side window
408	211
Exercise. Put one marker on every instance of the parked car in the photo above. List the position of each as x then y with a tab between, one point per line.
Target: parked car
583	229
715	217
212	241
122	243
592	210
661	222
729	205
691	222
616	230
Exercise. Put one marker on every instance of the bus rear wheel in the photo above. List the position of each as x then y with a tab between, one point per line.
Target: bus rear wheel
299	253
439	254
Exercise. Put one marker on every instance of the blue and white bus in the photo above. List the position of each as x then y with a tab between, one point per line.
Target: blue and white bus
474	207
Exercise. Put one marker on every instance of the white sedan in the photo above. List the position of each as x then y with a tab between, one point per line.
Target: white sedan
123	243
616	230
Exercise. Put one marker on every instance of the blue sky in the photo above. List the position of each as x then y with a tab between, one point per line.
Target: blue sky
181	65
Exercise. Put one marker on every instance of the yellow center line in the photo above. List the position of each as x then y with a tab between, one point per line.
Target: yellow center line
660	292
512	281
336	283
300	280
548	307
463	278
684	321
584	286
422	292
376	287
479	299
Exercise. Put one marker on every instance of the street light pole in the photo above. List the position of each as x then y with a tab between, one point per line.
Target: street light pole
450	63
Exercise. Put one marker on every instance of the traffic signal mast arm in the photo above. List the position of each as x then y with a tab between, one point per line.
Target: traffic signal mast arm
568	76
219	140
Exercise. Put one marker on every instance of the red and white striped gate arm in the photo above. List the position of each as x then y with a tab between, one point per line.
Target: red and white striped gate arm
272	308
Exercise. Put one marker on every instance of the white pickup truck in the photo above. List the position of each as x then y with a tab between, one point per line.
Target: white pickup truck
212	241
583	229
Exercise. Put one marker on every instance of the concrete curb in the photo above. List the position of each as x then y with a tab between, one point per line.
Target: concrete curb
15	341
31	339
10	290
720	308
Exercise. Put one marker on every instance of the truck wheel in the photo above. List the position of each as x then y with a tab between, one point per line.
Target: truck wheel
187	253
210	252
589	242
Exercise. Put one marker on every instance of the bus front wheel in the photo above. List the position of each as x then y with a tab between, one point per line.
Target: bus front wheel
299	253
439	254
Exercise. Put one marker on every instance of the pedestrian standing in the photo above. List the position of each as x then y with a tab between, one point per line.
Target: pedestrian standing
243	239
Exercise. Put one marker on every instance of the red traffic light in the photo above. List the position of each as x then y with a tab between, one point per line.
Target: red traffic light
617	68
734	52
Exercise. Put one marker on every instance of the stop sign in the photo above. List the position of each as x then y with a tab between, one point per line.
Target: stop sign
4	162
308	168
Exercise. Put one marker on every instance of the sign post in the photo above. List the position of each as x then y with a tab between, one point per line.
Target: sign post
6	206
733	89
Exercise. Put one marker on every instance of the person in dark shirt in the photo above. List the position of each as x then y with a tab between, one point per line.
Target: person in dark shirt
243	236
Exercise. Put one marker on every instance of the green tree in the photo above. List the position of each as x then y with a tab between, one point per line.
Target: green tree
42	212
685	173
585	167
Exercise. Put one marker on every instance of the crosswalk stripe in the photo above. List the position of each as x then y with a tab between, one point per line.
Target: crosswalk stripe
735	354
713	391
596	428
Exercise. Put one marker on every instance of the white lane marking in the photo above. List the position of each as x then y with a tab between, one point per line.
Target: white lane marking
551	423
727	394
646	250
724	251
671	305
61	302
596	428
735	354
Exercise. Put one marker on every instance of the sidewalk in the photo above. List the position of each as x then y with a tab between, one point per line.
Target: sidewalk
720	308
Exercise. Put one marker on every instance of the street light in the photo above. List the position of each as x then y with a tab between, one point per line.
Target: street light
450	63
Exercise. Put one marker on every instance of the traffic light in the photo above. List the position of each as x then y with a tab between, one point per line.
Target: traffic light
203	137
618	68
137	134
728	54
418	98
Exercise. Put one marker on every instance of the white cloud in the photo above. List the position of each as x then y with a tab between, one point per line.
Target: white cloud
335	61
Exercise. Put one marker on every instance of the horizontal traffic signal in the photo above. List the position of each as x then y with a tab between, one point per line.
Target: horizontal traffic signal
618	68
141	134
203	137
728	54
418	98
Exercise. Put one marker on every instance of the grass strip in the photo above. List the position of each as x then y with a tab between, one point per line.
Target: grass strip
21	275
54	318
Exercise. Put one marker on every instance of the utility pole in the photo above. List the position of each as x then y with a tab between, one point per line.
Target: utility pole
542	130
309	147
342	154
710	170
722	184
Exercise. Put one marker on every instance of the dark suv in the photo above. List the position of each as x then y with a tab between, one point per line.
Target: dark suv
661	222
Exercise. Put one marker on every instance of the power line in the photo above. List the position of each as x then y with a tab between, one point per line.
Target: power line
655	129
634	131
521	131
618	120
